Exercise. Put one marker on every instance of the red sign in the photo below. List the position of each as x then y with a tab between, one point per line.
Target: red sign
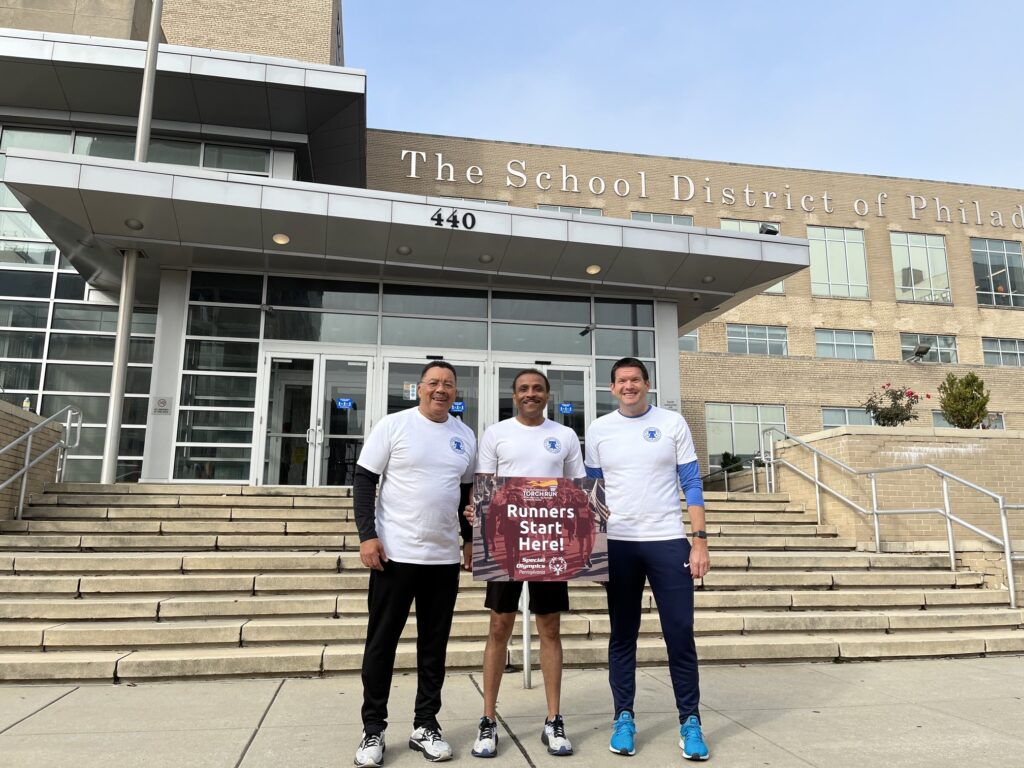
539	529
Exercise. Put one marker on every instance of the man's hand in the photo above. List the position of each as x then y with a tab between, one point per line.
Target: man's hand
470	513
467	556
700	560
371	552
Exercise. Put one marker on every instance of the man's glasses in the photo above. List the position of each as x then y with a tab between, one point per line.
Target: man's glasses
447	386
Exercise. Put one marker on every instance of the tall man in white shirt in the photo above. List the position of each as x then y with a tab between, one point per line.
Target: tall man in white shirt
527	445
645	454
409	537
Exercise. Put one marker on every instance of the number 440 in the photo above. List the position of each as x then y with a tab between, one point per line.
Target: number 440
453	220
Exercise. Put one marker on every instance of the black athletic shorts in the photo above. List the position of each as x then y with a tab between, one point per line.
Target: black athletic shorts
545	596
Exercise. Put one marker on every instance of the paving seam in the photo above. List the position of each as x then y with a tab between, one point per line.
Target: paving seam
36	712
507	727
256	730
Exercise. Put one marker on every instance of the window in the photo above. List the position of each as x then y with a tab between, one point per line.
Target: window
1004	352
570	209
688	342
998	272
753	228
757	340
841	417
662	218
943	348
243	159
919	264
738	428
838	262
48	141
992	421
844	345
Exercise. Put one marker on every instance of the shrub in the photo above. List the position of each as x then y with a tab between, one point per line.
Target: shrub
892	406
964	400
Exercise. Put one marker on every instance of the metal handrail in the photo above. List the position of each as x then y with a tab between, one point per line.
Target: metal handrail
72	418
736	469
872	474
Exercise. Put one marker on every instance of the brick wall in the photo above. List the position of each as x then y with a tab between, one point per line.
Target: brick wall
121	19
14	422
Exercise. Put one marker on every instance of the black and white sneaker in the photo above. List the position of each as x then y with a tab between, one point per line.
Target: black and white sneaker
428	740
370	752
554	738
486	744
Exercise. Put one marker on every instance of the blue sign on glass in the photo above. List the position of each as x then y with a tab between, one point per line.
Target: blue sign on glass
343	403
565	407
458	406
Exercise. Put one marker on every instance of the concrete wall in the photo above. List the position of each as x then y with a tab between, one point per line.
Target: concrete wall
13	423
121	19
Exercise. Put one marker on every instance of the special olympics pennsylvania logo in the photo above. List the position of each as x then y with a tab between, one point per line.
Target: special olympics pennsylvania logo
458	445
558	565
652	434
552	445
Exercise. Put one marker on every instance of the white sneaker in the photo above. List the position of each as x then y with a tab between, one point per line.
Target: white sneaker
486	744
428	740
370	752
554	737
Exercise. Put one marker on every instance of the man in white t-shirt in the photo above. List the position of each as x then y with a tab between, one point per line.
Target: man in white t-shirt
409	538
645	454
527	445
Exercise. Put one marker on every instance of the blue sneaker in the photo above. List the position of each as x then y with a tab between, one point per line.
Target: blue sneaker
691	739
623	730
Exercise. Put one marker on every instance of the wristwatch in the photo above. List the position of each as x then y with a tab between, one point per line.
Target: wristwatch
699	534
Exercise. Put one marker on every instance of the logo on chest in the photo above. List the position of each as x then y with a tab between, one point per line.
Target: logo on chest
552	445
458	445
652	434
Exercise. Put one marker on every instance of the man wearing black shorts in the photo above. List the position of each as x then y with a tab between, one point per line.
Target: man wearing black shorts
528	445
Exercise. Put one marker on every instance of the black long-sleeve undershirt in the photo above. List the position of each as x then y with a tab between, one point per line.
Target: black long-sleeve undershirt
364	502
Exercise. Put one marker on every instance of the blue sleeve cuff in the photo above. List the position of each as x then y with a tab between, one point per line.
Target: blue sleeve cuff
690	482
595	472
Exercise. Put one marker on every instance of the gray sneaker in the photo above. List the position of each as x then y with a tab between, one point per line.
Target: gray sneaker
370	752
428	740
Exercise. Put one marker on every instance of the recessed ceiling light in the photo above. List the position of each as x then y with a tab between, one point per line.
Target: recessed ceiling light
281	238
707	279
485	258
133	224
594	269
403	250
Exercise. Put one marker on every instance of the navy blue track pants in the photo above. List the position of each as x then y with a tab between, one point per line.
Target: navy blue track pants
666	565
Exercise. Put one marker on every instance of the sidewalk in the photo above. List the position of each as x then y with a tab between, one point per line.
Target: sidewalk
903	713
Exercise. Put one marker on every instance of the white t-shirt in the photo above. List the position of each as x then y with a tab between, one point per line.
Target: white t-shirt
513	449
638	457
422	463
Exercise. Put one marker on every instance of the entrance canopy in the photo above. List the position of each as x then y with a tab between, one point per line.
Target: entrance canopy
94	208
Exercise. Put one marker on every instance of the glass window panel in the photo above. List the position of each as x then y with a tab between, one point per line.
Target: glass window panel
719	441
718	412
20	226
773	414
174	152
746	438
540	308
236	322
322	326
617	343
688	342
221	356
78	378
244	159
603	371
70	287
19	376
433	300
83	471
214	427
833	417
7	198
510	337
226	287
132	442
837	272
737	346
21	344
66	346
434	334
135	409
757	347
77	317
843	337
19	254
143	320
48	141
141	350
845	352
218	391
615	312
137	380
321	294
211	463
105	145
94	409
744	413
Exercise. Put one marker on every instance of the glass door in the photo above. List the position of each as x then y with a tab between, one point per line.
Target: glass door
403	375
288	420
571	399
342	421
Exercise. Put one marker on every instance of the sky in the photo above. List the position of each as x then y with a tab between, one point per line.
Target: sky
929	90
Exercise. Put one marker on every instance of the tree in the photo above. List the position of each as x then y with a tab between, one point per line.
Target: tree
964	400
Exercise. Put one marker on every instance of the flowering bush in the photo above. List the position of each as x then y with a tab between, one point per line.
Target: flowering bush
892	406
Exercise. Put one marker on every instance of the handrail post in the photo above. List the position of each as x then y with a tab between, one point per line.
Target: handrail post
24	477
874	513
725	477
949	524
753	473
817	487
1008	553
527	665
772	487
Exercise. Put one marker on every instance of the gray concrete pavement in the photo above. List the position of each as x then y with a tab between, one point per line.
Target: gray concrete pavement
931	714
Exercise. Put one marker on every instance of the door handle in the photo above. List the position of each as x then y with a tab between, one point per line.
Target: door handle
309	439
319	435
